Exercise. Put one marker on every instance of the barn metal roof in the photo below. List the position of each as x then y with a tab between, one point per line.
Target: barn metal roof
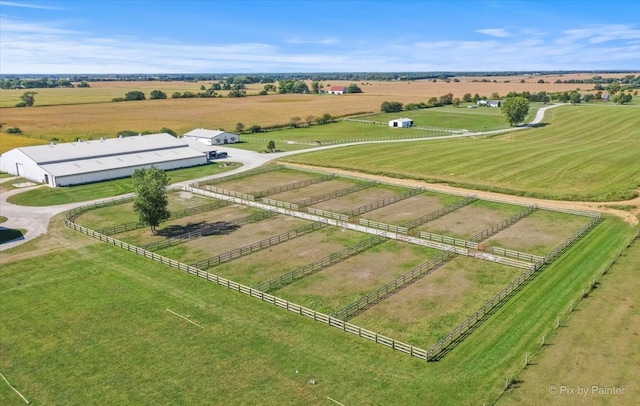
204	133
99	164
103	148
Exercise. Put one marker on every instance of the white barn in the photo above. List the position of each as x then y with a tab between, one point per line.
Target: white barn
92	161
401	123
212	137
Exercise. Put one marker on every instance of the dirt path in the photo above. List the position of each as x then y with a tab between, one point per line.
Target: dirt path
630	217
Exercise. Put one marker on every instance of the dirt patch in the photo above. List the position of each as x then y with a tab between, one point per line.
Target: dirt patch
411	208
265	181
428	309
357	199
314	190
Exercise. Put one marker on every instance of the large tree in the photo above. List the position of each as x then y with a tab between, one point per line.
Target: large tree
391	106
150	186
516	109
134	95
28	98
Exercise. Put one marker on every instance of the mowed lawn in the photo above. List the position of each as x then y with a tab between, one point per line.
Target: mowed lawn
92	325
583	153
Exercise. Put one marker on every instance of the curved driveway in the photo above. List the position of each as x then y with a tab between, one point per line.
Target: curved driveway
35	220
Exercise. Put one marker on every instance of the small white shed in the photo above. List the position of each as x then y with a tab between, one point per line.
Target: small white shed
401	123
212	137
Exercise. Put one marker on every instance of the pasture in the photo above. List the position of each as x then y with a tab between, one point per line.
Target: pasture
582	153
255	253
98	305
87	113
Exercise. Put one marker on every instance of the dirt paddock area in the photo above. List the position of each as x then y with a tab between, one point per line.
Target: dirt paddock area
270	246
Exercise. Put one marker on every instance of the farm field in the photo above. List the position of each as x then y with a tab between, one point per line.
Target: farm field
577	357
84	321
582	153
99	305
57	112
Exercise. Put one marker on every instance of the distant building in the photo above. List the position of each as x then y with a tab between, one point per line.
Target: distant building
93	161
489	103
337	90
212	137
401	123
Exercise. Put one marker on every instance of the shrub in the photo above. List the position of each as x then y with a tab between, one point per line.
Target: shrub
14	130
21	104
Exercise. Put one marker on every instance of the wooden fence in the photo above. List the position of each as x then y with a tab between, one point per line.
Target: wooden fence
384	226
242	175
503	225
516	254
254	293
504	294
293	186
385	291
328	214
320	264
382	203
134	225
257	246
449	240
278	203
208	230
440	212
228	192
332	195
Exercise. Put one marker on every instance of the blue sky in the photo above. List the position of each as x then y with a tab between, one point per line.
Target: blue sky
163	36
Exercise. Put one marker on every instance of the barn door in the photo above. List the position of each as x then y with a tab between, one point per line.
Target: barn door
19	169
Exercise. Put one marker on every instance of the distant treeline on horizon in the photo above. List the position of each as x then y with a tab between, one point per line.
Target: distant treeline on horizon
22	81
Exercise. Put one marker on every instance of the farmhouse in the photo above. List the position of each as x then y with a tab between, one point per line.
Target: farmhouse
92	161
401	123
337	90
212	137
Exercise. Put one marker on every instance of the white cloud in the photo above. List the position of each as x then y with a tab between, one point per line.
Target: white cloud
495	32
27	5
324	41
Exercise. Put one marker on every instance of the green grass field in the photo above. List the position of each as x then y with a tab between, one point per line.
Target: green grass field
46	196
583	153
91	325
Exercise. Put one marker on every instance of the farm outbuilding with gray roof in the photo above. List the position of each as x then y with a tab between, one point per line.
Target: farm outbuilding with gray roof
92	161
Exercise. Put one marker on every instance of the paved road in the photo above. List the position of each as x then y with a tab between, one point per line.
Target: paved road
35	220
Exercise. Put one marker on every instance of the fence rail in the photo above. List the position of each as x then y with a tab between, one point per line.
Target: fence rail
457	332
134	225
257	246
449	240
320	264
289	306
228	192
382	293
278	203
329	214
503	225
440	212
293	186
384	202
384	226
242	175
205	231
516	254
332	195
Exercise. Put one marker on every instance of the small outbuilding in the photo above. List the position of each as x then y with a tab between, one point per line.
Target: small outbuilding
337	90
212	137
80	162
489	103
401	123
